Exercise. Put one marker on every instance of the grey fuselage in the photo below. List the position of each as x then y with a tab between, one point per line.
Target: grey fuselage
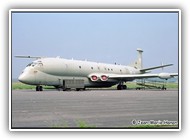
51	71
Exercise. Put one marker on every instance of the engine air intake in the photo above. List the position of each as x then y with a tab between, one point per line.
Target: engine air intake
94	78
104	78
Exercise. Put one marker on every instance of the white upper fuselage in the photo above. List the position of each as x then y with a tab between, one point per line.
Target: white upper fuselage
49	71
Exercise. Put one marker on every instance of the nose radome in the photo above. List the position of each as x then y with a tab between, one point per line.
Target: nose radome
25	78
22	78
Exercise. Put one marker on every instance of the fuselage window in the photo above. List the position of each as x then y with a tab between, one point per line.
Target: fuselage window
120	70
111	69
80	67
108	69
92	68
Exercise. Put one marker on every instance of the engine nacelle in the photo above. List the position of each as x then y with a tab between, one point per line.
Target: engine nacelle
164	76
103	78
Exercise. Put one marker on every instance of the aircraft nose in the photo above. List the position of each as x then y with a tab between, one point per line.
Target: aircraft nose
24	78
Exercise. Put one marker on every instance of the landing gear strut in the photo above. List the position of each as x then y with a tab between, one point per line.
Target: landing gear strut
39	88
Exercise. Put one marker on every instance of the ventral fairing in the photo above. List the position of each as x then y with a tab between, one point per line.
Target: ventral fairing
66	74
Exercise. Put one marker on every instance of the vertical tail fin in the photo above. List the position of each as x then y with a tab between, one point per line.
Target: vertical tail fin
138	63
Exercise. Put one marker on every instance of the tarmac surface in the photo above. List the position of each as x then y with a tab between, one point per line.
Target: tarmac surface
91	108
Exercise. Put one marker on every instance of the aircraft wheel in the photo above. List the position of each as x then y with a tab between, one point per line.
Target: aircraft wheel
124	87
78	89
121	87
39	88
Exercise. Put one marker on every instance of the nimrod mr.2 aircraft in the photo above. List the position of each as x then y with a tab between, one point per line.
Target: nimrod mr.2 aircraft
66	74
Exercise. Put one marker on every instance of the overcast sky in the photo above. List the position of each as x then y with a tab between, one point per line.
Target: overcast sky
100	37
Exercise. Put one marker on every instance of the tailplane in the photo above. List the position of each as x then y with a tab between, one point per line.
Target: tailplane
151	68
28	56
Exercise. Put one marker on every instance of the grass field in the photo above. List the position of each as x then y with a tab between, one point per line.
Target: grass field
18	85
130	85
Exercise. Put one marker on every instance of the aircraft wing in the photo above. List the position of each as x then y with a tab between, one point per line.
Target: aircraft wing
141	76
129	77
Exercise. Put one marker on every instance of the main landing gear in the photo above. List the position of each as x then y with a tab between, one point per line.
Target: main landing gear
39	88
121	86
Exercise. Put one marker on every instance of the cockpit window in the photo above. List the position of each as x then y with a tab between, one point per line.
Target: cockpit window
29	65
34	64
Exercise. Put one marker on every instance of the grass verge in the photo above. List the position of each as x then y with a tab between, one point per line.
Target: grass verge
77	124
130	85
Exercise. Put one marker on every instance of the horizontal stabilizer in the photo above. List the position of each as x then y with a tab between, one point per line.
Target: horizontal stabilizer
157	67
25	56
